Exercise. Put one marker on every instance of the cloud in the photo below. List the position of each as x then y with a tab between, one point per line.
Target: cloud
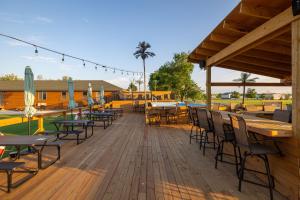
15	43
44	20
40	59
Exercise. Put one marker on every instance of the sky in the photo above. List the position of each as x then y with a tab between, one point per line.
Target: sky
108	32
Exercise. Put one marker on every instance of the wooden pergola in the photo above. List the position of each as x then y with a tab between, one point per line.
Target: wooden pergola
261	37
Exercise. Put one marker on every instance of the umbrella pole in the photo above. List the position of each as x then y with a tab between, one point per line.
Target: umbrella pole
28	126
90	112
71	114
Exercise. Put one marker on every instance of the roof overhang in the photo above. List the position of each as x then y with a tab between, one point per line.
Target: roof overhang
255	37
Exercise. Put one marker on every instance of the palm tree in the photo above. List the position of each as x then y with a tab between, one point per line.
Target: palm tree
139	82
245	78
142	52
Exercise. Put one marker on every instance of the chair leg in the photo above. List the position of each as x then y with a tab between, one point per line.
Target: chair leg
191	134
217	155
222	150
205	141
201	139
214	140
236	160
270	179
241	172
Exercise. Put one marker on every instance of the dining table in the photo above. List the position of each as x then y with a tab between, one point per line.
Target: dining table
265	127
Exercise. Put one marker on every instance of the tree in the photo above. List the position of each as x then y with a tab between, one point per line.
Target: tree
176	76
65	78
245	78
143	53
9	77
251	93
139	82
219	96
132	86
235	95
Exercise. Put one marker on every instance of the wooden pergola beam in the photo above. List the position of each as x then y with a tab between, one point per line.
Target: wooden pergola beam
267	31
261	12
253	69
229	84
249	61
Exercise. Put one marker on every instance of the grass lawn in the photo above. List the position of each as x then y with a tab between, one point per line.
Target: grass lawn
22	129
3	116
249	101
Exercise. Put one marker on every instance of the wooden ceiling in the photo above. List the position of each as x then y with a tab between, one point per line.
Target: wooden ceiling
269	57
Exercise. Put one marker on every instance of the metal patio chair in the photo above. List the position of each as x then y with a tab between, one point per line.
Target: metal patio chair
206	127
252	148
224	133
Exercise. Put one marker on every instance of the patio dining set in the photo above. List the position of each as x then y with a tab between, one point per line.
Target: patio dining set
249	136
35	144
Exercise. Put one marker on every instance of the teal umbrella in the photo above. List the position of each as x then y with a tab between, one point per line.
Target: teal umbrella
90	95
102	101
29	95
72	104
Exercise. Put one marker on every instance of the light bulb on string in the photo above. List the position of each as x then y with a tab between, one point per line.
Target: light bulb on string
96	67
114	71
105	69
127	73
36	51
63	58
83	63
122	73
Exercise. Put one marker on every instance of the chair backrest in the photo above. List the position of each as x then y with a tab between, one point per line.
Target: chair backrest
240	131
254	108
289	107
218	123
216	106
282	115
192	115
203	118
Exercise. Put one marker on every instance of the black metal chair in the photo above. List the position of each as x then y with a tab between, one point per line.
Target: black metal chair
224	134
252	148
282	115
206	127
193	120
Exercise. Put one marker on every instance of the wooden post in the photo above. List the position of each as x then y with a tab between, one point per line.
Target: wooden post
208	87
41	124
296	76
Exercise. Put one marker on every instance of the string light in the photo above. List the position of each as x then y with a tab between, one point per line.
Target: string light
36	50
96	67
84	61
114	71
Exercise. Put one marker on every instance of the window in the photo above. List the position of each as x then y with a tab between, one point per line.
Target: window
42	96
63	95
166	96
84	93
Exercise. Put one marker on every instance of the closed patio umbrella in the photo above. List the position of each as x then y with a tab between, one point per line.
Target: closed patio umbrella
90	97
72	104
29	95
102	101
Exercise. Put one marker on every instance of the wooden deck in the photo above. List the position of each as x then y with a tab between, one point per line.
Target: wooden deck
131	161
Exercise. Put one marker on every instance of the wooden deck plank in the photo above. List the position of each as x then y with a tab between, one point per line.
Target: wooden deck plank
131	161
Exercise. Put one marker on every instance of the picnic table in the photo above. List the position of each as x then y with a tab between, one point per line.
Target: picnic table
104	117
32	142
68	129
262	126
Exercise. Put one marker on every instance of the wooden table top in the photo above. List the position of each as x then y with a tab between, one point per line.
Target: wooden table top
266	127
